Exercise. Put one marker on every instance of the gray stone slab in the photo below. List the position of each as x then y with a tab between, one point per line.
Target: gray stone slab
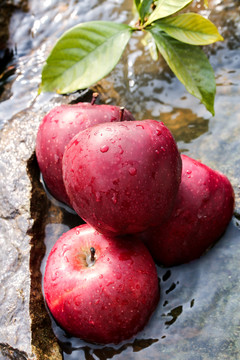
20	294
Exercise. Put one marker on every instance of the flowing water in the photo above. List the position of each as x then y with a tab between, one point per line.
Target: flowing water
198	316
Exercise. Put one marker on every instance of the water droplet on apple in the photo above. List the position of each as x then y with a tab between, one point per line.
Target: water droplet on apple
56	158
77	300
100	276
98	196
118	276
64	249
157	151
162	148
114	198
55	275
132	171
104	148
76	142
110	283
121	150
189	172
158	132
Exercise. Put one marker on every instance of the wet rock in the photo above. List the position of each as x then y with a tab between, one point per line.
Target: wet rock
24	322
8	352
6	10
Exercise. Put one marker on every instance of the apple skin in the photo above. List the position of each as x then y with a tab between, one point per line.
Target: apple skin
123	177
109	301
202	211
57	128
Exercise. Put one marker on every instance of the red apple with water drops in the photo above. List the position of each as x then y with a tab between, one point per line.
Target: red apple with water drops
122	177
202	211
58	127
99	288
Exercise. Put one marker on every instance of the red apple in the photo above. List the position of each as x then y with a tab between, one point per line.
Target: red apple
122	177
202	211
98	288
56	130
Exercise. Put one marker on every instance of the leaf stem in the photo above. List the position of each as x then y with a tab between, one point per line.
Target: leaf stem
94	98
122	108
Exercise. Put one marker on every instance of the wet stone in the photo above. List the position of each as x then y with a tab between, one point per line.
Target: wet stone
7	8
7	352
24	323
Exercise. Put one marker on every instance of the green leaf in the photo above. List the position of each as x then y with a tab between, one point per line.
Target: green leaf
190	65
166	8
84	55
190	28
143	8
137	3
151	44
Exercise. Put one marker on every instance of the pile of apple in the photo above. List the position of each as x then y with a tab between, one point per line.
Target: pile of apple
142	202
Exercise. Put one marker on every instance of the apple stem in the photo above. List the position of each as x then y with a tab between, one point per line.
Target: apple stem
92	250
122	108
94	97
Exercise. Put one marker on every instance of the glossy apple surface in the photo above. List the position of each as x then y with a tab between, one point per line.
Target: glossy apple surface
122	177
105	300
56	130
203	209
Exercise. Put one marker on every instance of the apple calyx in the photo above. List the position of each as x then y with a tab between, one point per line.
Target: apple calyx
94	98
122	108
90	258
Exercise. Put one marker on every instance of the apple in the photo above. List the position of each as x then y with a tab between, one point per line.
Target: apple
202	211
56	130
122	177
99	288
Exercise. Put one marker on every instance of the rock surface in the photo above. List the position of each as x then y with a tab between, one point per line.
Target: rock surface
22	213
